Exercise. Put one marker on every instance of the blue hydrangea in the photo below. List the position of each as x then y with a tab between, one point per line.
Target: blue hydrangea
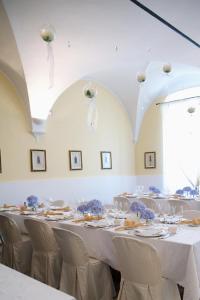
137	207
82	208
95	207
187	189
147	214
154	189
32	201
193	192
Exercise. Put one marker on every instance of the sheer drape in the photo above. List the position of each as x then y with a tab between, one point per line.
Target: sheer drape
181	146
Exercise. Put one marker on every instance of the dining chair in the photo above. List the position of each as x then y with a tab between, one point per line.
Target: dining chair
150	203
177	206
191	214
140	269
46	258
83	277
122	203
16	248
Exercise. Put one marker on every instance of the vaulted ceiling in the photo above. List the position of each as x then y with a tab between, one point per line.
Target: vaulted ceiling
109	42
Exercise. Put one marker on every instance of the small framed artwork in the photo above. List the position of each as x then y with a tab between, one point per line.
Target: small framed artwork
106	160
150	160
75	160
38	160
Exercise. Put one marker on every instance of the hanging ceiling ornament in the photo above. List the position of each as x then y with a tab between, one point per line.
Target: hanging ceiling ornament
167	68
90	92
191	110
47	33
141	77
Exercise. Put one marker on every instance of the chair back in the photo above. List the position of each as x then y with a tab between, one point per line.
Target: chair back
139	261
10	232
191	214
150	203
41	235
122	203
178	206
72	247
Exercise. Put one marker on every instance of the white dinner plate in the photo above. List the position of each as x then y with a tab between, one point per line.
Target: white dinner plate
150	232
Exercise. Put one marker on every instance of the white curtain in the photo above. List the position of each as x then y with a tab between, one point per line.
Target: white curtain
181	145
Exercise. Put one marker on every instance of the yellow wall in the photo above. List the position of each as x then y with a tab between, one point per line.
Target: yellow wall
150	139
66	130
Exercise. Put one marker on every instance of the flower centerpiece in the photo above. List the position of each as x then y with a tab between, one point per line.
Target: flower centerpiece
142	211
32	201
137	207
148	214
154	190
95	207
82	208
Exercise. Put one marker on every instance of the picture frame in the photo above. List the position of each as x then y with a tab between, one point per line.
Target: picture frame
150	160
106	160
75	160
38	160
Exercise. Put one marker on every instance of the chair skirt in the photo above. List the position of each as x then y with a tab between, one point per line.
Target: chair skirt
90	281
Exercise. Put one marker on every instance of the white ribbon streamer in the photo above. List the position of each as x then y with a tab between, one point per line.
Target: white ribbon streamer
92	118
50	58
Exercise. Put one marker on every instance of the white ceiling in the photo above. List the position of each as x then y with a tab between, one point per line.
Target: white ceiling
111	41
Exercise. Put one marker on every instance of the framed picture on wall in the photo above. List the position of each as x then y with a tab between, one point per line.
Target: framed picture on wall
75	160
106	160
150	160
38	160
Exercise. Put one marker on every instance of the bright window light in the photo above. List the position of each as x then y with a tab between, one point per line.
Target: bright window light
181	140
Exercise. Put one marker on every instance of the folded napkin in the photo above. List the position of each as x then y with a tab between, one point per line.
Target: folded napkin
88	219
128	224
53	213
195	221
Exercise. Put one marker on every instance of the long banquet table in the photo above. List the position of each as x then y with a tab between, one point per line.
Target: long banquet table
15	285
179	254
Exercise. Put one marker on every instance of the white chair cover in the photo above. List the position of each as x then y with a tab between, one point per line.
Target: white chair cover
46	259
141	272
191	214
16	249
83	277
150	203
121	203
178	206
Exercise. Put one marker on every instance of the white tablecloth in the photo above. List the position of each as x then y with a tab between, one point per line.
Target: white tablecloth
17	286
179	254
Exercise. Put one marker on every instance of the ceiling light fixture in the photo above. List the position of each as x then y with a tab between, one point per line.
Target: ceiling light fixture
167	68
47	34
141	77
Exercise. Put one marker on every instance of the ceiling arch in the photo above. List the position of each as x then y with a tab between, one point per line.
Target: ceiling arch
109	42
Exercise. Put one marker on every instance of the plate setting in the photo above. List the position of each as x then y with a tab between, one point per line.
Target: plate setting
151	232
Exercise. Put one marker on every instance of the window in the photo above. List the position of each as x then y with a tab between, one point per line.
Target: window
181	145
